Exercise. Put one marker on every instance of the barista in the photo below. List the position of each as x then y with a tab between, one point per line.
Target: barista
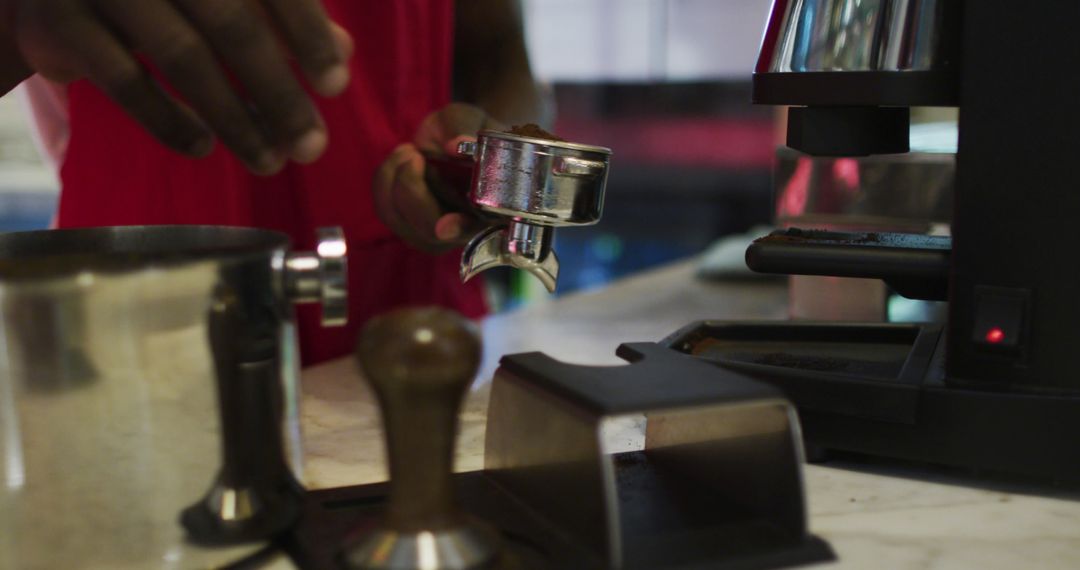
126	97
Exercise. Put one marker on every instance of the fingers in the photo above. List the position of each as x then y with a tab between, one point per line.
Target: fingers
404	202
248	46
463	118
383	187
258	107
343	41
451	121
413	201
450	148
320	47
190	65
54	32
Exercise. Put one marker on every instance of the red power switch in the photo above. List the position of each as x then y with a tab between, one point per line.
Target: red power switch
1000	318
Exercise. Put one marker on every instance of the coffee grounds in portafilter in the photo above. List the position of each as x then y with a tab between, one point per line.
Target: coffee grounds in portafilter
534	131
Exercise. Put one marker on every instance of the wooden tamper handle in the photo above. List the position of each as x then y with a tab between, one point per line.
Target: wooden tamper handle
420	363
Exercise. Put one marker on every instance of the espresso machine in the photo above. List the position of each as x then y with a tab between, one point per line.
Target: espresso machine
996	387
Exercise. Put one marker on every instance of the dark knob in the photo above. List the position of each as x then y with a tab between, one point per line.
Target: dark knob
420	363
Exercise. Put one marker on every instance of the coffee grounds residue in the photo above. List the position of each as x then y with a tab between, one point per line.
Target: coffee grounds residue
817	363
534	131
800	236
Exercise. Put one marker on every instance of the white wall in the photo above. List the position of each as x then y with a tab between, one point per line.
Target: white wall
21	167
640	40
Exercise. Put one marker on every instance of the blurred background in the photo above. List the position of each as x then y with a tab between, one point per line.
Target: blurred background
664	83
28	189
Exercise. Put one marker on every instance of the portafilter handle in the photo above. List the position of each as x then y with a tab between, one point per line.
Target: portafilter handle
448	178
420	362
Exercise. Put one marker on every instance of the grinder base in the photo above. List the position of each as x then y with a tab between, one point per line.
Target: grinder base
881	390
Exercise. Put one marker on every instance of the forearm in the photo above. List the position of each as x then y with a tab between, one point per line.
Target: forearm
491	63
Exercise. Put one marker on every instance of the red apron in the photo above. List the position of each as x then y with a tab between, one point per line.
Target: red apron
114	173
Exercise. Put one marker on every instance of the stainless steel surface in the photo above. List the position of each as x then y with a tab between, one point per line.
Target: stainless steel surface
420	363
855	35
521	245
111	412
459	548
540	181
902	192
320	276
533	185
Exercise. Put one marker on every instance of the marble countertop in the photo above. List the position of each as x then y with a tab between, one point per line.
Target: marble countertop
879	517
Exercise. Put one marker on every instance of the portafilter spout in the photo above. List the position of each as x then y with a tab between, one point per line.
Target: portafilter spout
519	244
533	185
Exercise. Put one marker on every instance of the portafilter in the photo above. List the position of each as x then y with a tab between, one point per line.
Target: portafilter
530	186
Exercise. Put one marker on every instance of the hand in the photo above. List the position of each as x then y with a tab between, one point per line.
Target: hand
403	185
227	59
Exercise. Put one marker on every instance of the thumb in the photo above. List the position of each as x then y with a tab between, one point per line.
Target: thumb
450	147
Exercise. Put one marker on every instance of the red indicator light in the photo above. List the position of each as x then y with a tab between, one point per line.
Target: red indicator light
995	335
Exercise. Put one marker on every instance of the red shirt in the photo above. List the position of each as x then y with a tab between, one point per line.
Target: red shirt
114	173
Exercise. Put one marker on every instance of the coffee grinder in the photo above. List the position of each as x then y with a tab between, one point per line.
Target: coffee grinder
997	386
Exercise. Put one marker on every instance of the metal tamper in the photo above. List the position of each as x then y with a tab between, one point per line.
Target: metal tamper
535	185
420	363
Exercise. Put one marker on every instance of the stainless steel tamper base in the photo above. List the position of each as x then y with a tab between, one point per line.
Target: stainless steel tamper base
461	548
520	244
